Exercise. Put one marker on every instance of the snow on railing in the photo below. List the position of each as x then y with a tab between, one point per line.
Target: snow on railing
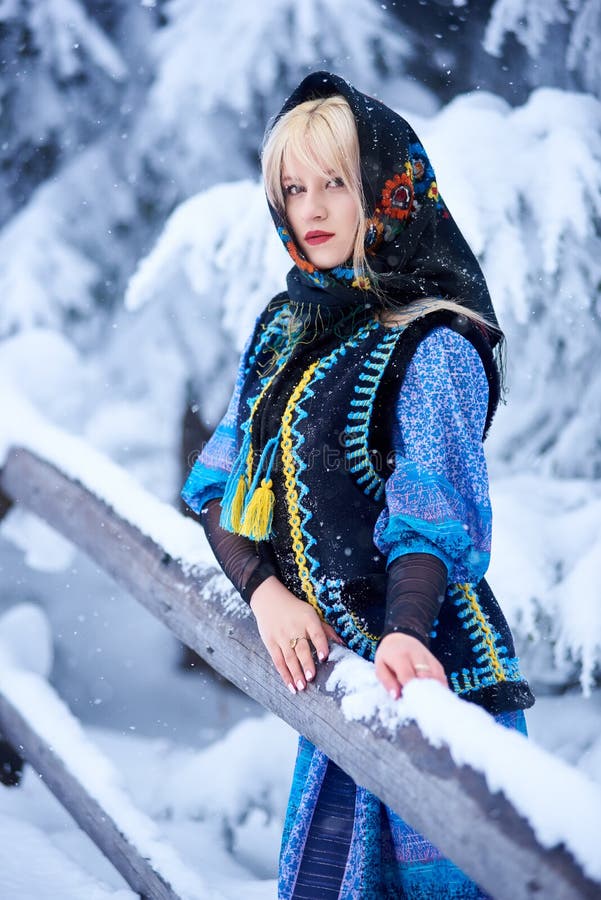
520	822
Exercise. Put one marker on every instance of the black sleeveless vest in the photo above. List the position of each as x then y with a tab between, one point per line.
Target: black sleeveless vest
330	406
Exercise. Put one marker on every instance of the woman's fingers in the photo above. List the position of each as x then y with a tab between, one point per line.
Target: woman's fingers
431	669
293	622
318	634
316	637
400	657
280	663
389	680
425	665
332	635
406	667
294	666
299	661
406	658
312	632
403	671
305	658
395	673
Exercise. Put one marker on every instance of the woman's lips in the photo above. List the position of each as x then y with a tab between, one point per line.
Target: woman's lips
318	238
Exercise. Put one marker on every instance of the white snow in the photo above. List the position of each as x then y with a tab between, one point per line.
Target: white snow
26	640
32	866
186	83
531	21
441	716
44	711
182	788
546	548
23	426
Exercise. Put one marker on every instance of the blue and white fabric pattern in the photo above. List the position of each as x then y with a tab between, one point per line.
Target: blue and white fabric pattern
437	496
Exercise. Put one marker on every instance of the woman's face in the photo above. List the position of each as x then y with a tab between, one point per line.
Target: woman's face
321	212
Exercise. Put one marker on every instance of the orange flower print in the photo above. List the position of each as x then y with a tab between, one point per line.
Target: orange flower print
397	196
433	191
300	261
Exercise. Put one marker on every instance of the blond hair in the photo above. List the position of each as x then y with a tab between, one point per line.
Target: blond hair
322	134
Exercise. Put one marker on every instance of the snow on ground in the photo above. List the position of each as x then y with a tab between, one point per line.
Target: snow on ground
231	846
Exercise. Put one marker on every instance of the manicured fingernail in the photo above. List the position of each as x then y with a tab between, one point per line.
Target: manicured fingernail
392	694
321	655
300	685
291	688
308	675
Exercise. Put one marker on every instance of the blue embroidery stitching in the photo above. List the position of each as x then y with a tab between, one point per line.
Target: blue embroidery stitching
488	651
356	433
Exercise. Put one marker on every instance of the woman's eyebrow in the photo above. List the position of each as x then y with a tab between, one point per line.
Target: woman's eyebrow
298	178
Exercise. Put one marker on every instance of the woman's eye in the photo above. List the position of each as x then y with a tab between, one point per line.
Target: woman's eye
291	190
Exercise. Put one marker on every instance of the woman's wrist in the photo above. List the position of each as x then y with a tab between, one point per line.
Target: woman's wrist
415	591
409	632
258	576
263	591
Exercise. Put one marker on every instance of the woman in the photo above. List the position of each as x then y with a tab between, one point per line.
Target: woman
345	491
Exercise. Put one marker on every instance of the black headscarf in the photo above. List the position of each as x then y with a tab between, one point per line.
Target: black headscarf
412	241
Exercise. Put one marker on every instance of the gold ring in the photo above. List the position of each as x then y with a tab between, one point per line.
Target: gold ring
294	641
423	666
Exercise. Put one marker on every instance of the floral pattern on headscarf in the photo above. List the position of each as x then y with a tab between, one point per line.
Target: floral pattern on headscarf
398	193
414	246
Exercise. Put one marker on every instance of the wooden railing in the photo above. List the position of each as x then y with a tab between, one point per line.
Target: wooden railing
452	805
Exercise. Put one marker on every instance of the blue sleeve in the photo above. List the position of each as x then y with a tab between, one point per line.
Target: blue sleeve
437	498
210	472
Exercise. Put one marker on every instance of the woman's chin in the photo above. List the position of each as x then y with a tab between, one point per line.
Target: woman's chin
325	261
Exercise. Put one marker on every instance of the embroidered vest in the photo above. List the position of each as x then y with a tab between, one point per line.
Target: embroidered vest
308	485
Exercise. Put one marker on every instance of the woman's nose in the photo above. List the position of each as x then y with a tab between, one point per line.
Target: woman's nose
315	207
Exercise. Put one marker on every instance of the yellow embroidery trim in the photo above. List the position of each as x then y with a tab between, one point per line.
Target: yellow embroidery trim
291	492
470	596
372	637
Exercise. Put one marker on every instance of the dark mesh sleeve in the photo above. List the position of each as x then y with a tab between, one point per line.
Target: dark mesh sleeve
415	590
236	554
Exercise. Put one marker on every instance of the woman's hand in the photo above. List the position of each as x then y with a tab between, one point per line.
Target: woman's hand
400	657
280	617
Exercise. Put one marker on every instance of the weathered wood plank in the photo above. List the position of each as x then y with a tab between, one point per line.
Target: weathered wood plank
86	811
480	831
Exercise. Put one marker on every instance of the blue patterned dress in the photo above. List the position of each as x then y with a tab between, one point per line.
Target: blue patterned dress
339	840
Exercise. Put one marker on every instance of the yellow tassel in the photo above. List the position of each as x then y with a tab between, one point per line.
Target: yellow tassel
256	523
238	504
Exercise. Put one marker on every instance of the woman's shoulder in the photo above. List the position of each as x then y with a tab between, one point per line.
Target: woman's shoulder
444	347
447	356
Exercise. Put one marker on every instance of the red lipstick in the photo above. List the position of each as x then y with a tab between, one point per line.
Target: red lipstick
318	237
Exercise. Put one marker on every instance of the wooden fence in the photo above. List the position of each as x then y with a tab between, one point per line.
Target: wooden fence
479	830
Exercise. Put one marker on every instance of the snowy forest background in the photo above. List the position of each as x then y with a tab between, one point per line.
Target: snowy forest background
135	252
